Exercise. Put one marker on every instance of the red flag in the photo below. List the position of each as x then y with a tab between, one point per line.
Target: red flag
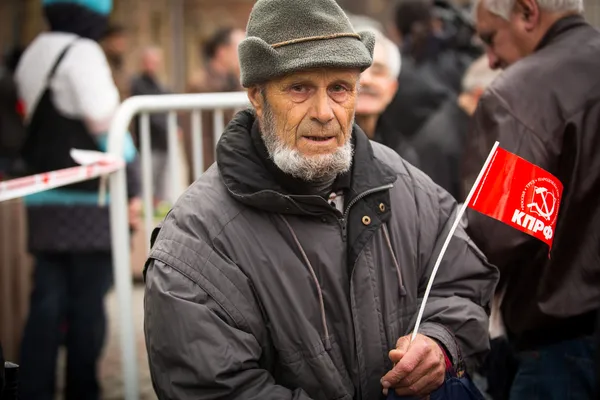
520	194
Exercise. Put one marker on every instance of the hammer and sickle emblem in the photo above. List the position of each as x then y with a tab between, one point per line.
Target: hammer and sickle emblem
543	211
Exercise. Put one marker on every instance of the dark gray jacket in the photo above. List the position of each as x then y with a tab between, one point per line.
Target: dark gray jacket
254	292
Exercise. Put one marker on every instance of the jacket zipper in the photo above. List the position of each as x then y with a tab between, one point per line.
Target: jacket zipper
344	219
355	327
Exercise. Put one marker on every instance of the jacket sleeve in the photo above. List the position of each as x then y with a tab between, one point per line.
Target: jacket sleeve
503	245
456	314
195	350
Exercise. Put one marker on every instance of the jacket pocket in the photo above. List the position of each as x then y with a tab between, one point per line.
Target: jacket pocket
400	323
320	373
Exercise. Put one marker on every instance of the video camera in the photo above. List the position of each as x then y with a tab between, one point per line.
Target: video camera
459	27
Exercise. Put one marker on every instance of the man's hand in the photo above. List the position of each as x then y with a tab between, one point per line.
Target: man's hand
135	213
419	367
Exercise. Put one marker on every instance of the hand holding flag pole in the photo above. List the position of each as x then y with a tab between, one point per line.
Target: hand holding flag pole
449	237
513	191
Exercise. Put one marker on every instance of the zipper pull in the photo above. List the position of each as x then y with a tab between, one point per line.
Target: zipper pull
327	344
344	230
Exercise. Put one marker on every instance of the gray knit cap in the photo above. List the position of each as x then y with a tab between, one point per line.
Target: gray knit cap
285	36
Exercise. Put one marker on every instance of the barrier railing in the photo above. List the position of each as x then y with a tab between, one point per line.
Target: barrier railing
144	105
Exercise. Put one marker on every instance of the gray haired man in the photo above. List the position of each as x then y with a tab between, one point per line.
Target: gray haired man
545	107
293	268
378	85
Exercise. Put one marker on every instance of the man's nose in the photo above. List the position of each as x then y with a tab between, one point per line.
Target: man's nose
322	110
493	59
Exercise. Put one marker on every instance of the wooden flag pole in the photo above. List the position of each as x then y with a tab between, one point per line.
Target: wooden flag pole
449	237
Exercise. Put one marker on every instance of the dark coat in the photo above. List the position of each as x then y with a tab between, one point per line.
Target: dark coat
419	95
146	84
439	145
254	291
546	109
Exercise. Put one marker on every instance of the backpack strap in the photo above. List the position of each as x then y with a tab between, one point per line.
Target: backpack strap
59	59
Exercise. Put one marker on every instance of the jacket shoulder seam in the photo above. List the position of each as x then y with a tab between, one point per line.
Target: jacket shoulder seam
176	264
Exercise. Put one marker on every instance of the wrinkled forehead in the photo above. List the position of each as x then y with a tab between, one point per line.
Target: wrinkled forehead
320	76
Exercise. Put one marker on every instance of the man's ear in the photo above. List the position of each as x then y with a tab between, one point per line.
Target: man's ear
255	95
529	12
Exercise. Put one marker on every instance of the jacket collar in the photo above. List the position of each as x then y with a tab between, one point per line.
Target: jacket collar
561	26
252	178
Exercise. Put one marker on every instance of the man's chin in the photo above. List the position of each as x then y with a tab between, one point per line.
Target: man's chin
316	155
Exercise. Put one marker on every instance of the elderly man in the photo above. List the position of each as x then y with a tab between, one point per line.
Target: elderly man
294	265
221	73
546	108
378	85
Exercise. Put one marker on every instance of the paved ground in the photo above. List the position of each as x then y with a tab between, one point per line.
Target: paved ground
111	372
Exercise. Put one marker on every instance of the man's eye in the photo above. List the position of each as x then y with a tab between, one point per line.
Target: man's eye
379	71
488	39
298	88
338	88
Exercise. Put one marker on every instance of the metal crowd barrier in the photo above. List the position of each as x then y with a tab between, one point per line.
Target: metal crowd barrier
143	106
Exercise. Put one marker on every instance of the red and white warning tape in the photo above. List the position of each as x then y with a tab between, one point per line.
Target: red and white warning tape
99	166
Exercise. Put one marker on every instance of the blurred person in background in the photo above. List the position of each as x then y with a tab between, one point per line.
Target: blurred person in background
364	22
115	43
440	142
420	93
545	107
430	41
221	74
148	83
453	22
435	54
378	85
222	67
12	130
70	99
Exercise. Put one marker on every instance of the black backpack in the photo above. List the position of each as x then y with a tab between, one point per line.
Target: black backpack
50	136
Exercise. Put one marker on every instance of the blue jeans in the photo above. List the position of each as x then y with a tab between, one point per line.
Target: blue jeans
67	303
562	371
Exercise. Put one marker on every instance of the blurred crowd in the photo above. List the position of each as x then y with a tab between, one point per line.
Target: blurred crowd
418	98
434	48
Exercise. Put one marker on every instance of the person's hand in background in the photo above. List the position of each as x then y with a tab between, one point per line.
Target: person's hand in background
135	213
419	367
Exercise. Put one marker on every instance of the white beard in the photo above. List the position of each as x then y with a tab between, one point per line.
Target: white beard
292	162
